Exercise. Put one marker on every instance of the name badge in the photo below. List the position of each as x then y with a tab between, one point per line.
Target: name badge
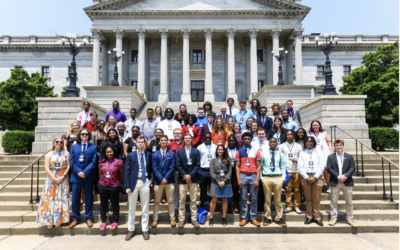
57	167
169	127
290	156
278	140
241	120
183	122
318	142
247	163
233	164
219	142
154	149
149	129
271	165
209	156
311	165
222	174
290	118
108	175
81	158
133	148
201	125
75	142
189	161
260	149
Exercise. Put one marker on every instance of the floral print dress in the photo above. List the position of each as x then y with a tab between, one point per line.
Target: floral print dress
54	202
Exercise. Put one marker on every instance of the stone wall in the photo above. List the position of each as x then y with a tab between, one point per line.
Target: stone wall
1	137
54	117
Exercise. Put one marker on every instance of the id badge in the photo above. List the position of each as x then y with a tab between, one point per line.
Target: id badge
311	165
201	125
81	158
57	167
149	129
290	118
169	127
108	175
189	161
278	140
247	163
154	149
241	120
290	156
75	142
233	164
271	165
182	122
133	148
260	149
222	174
318	142
219	142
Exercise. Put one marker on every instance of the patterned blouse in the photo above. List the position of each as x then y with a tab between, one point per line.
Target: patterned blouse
110	176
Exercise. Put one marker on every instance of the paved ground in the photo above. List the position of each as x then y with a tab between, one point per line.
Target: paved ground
213	241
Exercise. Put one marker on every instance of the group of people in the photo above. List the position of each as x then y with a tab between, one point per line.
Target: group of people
166	156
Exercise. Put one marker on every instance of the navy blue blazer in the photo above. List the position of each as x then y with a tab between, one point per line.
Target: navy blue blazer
184	169
87	166
166	170
132	169
226	117
267	125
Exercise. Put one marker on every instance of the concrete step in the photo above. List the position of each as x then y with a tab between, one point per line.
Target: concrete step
378	172
31	228
374	179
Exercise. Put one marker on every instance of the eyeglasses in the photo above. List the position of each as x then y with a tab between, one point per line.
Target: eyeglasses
60	142
177	133
85	134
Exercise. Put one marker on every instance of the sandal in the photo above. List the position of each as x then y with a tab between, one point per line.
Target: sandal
59	225
103	226
236	211
114	226
163	201
49	226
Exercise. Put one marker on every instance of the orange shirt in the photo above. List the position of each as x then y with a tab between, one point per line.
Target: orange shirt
216	137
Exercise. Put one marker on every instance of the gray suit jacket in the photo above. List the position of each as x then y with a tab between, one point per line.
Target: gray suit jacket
296	117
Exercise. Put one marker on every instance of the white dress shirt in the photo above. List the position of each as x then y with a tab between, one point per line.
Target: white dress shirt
263	145
340	160
131	123
303	163
294	149
205	151
144	161
234	110
168	127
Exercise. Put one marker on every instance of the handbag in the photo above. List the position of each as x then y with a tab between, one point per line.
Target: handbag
201	216
225	191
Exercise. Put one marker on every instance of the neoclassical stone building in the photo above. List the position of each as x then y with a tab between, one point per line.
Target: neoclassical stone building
191	50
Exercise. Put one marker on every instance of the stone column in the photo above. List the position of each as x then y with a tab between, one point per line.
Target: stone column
247	86
163	66
186	97
141	62
268	62
104	62
275	48
253	58
298	55
119	34
289	62
231	64
209	96
147	68
125	62
96	57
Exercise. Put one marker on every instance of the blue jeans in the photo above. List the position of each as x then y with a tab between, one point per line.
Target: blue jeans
205	181
248	182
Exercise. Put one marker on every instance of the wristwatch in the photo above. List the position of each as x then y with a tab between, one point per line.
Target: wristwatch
64	176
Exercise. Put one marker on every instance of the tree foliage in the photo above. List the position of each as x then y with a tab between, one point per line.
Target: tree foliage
18	105
378	78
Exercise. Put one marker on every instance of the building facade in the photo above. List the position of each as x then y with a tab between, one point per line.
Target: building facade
190	50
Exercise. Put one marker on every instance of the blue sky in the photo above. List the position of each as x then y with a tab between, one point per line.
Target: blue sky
346	17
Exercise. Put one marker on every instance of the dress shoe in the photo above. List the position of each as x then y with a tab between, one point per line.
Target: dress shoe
173	223
146	236
281	223
154	224
195	224
319	223
89	223
73	224
224	223
130	235
308	221
287	210
297	210
351	223
181	224
243	223
255	223
266	222
332	223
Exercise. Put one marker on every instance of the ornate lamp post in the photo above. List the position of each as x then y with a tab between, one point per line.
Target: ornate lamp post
73	49
115	57
280	57
330	44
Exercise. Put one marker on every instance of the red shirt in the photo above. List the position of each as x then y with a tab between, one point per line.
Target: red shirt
247	158
173	146
89	126
196	133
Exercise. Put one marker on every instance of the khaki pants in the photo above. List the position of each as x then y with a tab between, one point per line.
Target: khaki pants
183	190
348	197
294	181
158	191
272	185
312	192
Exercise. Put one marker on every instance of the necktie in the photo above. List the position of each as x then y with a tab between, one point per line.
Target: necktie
143	168
224	118
84	147
273	160
163	156
263	120
230	111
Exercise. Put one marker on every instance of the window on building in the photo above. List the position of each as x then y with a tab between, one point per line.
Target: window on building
260	55
346	70
197	56
320	70
294	70
100	71
46	71
134	84
18	67
260	84
135	55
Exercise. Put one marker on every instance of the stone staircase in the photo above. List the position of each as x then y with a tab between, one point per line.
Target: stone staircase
372	214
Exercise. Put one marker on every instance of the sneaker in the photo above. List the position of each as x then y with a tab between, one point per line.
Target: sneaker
266	222
181	224
297	210
281	223
332	223
351	223
328	190
195	224
287	210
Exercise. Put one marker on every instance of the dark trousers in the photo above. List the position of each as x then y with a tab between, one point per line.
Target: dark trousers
76	199
112	194
235	189
205	181
261	197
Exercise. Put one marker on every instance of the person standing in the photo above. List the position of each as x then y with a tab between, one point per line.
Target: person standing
84	116
169	124
220	172
255	108
208	127
293	113
208	109
242	115
92	124
83	162
201	118
174	146
278	131
163	162
264	121
119	115
138	178
192	129
230	123
223	114
220	133
148	126
289	124
112	123
111	172
207	153
248	169
233	147
188	164
311	166
158	114
130	123
341	166
231	110
273	166
182	115
122	132
113	138
300	137
70	138
275	111
54	201
238	134
291	151
154	145
130	143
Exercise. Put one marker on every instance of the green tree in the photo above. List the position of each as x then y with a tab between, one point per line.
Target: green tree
18	105
378	78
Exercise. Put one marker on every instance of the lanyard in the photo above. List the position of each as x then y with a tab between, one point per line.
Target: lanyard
109	163
341	158
58	155
232	156
290	148
243	113
188	151
261	143
144	159
209	149
82	146
308	151
87	115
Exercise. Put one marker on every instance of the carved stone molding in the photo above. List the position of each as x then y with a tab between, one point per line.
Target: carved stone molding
96	33
275	32
230	32
119	33
298	32
208	32
253	33
164	32
104	42
185	32
141	32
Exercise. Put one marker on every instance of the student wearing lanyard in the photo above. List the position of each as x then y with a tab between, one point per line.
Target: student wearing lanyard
300	137
111	172
311	166
169	124
255	108
289	124
208	127
148	126
264	121
220	133
154	145
238	134
201	118
275	111
273	166
129	124
207	152
163	162
188	164
242	116
233	147
192	129
174	146
293	113
278	131
341	166
248	125
248	165
291	151
230	123
84	116
130	143
158	114
182	115
92	124
138	178
231	108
